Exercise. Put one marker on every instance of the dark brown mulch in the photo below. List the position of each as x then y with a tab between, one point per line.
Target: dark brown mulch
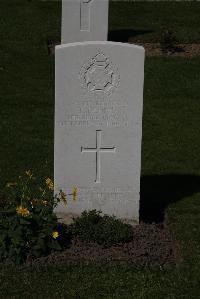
151	49
152	244
179	50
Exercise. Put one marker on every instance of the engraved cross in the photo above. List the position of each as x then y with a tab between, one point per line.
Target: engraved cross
98	150
85	15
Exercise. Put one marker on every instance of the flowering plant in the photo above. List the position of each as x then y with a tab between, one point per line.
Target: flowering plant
28	225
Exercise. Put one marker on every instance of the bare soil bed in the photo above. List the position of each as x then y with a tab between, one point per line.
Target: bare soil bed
180	50
152	244
151	49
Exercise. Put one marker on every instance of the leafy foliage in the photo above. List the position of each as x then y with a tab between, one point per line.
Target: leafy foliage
106	230
28	226
24	236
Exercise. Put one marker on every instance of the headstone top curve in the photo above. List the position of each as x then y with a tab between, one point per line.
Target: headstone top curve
106	43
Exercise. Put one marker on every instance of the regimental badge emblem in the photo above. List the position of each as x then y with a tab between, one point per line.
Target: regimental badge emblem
99	75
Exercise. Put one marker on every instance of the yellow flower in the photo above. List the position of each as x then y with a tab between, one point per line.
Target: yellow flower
45	202
74	192
29	174
49	184
55	234
63	196
11	184
24	212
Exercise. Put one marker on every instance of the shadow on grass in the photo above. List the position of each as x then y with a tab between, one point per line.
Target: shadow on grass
123	35
157	192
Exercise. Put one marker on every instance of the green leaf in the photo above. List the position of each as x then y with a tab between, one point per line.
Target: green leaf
24	221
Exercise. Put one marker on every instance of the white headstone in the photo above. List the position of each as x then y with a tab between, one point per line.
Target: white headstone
98	126
84	20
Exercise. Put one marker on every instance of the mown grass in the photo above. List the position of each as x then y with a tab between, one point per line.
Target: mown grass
170	152
145	21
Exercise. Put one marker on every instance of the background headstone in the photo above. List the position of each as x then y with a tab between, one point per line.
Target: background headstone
98	126
84	20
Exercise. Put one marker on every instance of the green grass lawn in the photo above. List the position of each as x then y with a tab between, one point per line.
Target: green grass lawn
170	151
146	20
